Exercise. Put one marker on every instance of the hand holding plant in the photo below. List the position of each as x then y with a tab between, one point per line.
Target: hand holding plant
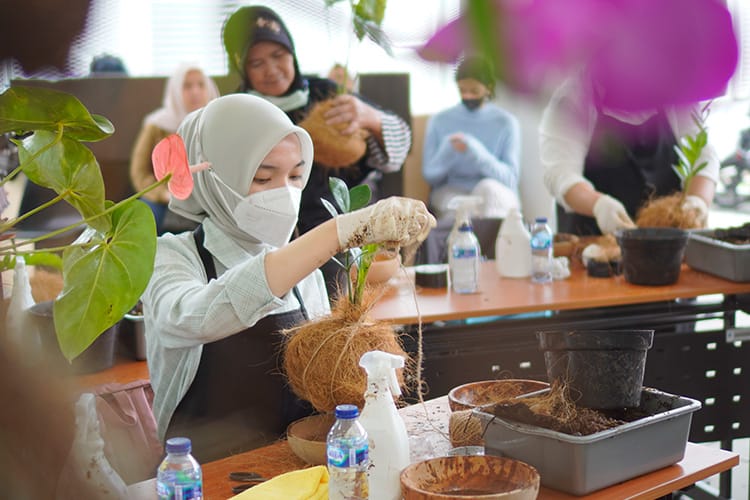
390	223
682	210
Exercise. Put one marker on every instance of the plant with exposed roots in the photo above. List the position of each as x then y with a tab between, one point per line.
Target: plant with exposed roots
321	356
671	210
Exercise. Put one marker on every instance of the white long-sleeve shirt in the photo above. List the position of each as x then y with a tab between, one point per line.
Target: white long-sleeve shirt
568	124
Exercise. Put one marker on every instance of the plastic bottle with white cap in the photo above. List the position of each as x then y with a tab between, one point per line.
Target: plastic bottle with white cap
512	257
389	442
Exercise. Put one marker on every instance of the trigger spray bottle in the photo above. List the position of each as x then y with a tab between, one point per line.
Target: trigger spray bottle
389	442
463	247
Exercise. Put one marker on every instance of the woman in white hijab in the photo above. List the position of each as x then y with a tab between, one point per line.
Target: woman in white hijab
219	295
187	89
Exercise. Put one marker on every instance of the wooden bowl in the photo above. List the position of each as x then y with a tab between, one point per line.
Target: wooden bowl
486	392
460	477
307	437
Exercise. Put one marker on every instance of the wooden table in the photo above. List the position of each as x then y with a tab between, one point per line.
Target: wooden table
427	426
124	370
402	303
491	333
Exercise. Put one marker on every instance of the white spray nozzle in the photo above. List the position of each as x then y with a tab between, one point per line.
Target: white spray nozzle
465	206
381	364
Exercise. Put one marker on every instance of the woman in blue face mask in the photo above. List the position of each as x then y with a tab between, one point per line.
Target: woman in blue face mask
220	295
473	147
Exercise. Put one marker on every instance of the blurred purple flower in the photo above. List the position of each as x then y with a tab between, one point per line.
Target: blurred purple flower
642	53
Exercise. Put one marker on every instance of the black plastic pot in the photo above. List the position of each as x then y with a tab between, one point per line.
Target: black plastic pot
602	369
100	355
652	255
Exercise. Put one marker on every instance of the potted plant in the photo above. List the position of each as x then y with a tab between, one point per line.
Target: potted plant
108	266
321	356
671	210
652	253
333	149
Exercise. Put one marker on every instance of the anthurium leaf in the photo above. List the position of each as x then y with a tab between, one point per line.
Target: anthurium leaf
24	109
67	167
46	259
106	278
340	192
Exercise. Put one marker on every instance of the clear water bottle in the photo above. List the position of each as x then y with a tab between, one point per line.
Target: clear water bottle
463	260
541	251
179	476
347	449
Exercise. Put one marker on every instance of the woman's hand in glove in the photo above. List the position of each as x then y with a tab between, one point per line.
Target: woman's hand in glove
698	206
611	215
394	221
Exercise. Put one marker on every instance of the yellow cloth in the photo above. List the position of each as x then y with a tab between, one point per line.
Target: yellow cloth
304	484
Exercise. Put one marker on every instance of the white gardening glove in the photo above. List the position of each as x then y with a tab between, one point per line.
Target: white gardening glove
698	206
611	215
395	221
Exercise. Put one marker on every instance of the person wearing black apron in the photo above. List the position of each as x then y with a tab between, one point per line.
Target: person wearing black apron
631	163
220	298
603	165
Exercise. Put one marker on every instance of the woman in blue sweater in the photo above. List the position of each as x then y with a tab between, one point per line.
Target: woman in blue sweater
473	147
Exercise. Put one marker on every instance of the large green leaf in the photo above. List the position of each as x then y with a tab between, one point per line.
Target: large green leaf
104	280
67	167
25	109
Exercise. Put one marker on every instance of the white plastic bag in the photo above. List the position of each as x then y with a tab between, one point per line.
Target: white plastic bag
87	473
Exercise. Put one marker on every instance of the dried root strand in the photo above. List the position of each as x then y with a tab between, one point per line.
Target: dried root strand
668	211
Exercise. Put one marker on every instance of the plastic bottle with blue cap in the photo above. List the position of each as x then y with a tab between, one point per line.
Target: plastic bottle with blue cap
386	431
464	251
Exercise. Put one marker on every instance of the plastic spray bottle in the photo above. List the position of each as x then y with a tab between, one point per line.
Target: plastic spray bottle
389	442
464	252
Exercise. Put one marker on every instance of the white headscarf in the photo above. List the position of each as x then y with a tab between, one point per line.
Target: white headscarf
234	133
173	111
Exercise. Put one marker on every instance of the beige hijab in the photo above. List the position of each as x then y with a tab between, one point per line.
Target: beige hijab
234	133
173	111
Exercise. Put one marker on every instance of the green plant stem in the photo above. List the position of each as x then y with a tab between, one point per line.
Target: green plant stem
47	249
51	234
10	225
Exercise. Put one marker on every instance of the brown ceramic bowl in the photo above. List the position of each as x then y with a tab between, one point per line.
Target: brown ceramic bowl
307	437
486	392
460	477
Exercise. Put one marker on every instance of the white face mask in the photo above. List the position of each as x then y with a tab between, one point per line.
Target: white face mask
269	216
